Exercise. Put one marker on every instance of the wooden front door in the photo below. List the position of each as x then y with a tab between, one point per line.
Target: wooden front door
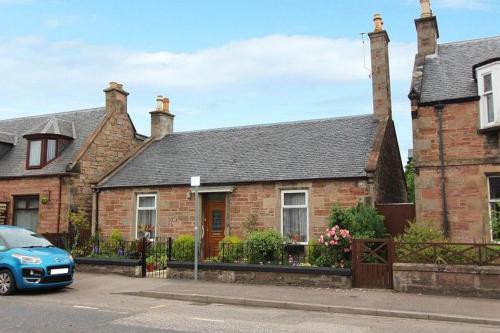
214	226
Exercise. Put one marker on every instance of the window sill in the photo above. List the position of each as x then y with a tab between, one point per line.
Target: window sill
489	129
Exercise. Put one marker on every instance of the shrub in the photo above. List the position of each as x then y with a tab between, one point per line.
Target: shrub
250	224
230	249
335	249
362	221
183	248
414	251
114	244
313	251
421	232
264	246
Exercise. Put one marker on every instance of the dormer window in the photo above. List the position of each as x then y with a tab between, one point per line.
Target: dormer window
42	151
488	83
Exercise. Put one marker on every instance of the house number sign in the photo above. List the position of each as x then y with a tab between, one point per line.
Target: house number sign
3	212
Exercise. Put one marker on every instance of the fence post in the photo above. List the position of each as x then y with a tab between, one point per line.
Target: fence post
169	249
143	256
354	261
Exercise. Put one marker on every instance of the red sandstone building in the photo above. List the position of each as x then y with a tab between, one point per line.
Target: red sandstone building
288	175
455	107
48	163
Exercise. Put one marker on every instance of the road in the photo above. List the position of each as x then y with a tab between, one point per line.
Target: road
85	309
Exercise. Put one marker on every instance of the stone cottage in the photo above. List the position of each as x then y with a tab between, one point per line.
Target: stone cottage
49	162
287	175
455	107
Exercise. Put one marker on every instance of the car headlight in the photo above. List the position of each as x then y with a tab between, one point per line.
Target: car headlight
71	257
27	259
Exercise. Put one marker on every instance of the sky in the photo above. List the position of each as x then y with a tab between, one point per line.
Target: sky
221	62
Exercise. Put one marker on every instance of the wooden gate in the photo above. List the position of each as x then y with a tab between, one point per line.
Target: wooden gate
372	261
396	216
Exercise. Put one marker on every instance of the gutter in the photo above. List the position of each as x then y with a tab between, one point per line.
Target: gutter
446	223
59	204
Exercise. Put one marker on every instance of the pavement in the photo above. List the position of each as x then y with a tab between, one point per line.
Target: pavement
94	304
385	303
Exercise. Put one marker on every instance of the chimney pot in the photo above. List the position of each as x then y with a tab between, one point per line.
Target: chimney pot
166	105
378	23
425	8
159	103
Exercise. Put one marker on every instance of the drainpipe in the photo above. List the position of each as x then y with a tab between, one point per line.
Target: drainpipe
95	211
446	224
59	205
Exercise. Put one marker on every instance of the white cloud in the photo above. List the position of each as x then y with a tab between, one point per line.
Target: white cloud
33	62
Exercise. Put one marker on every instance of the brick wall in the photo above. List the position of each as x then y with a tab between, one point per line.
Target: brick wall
469	156
176	206
46	186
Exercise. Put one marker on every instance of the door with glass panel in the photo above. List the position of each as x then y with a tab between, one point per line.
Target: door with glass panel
26	212
214	226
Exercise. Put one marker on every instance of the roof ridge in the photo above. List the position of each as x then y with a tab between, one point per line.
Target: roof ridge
366	115
470	40
53	115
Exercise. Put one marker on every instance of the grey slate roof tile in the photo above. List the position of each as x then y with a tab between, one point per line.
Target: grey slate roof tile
448	74
85	122
315	149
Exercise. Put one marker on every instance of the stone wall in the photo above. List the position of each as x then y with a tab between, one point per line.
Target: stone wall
469	157
482	281
389	176
131	271
43	187
112	143
293	277
175	213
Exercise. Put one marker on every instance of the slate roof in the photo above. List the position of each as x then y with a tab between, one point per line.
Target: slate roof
448	73
54	126
83	123
315	149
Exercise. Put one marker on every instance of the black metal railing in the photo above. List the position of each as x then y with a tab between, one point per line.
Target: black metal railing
246	253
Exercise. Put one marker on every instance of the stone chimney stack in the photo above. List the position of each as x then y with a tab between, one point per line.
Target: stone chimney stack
381	80
116	98
162	121
427	30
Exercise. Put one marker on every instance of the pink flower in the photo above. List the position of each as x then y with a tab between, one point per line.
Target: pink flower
321	239
332	242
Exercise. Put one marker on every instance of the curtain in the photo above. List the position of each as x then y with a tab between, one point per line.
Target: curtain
294	199
35	153
27	219
295	223
51	149
146	222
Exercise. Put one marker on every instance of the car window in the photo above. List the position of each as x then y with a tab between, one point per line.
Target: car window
3	246
17	237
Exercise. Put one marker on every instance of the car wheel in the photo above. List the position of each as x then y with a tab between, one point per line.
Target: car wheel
7	283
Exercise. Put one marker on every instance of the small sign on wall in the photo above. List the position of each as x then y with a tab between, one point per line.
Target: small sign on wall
3	212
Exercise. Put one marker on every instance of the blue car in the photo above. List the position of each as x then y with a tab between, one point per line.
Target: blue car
29	261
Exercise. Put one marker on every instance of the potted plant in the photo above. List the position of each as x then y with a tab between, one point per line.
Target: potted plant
150	264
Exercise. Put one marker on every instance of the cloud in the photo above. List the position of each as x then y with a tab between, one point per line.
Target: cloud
276	58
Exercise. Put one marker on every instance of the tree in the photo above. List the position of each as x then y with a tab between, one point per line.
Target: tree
410	179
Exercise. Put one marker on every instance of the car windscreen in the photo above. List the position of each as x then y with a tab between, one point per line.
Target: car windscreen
23	238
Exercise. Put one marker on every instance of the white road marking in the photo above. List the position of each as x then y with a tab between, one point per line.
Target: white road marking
111	311
157	306
85	307
206	319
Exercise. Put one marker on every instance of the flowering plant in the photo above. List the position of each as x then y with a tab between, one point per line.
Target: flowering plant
336	243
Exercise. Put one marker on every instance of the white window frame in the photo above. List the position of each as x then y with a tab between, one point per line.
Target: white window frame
137	209
490	201
306	205
494	70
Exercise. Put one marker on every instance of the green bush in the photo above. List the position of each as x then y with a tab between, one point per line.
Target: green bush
362	221
264	246
414	251
313	251
183	248
231	249
113	243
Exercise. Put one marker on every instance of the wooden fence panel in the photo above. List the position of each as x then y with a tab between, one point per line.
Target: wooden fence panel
396	216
